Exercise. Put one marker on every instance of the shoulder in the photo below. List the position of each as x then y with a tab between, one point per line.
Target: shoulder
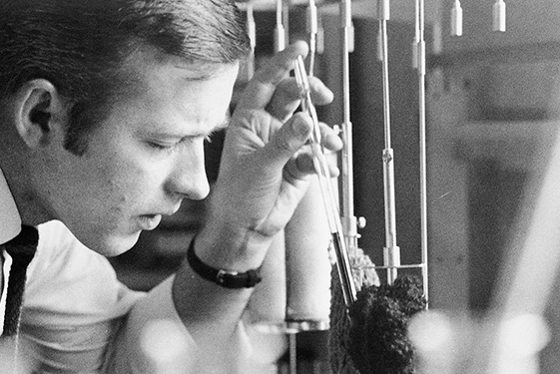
60	252
69	283
56	240
54	233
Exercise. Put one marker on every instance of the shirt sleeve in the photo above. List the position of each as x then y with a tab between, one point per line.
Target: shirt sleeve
78	317
154	340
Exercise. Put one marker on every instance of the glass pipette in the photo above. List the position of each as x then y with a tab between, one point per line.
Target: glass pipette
329	199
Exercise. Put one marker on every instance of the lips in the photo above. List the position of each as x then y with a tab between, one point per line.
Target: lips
149	221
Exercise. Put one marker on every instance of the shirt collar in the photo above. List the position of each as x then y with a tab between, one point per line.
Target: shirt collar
10	220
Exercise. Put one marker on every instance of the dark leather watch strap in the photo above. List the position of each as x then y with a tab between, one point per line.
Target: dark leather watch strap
227	279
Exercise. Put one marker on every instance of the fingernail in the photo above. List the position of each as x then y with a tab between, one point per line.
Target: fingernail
300	127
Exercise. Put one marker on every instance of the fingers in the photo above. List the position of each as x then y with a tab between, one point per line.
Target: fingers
273	92
320	94
330	139
287	141
261	88
302	164
286	97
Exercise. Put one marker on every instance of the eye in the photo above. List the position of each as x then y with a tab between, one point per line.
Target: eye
160	146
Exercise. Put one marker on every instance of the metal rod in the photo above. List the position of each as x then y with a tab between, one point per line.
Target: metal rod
252	32
312	29
348	217
279	30
292	343
391	252
456	19
421	66
499	16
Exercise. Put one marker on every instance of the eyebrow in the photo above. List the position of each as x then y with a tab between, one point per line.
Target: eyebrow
200	72
160	131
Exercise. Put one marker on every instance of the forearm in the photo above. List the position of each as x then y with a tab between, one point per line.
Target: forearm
154	339
210	311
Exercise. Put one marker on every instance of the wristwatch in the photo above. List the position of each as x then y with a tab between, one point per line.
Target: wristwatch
224	278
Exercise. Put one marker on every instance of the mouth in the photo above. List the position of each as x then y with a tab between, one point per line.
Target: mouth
149	221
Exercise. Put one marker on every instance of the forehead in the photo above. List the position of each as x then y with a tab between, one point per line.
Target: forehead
166	88
147	66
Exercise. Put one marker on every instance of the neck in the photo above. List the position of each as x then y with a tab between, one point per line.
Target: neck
13	163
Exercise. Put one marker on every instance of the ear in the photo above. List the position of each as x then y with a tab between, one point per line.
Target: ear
38	108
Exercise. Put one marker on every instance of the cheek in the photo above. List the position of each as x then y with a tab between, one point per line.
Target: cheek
101	184
122	184
133	183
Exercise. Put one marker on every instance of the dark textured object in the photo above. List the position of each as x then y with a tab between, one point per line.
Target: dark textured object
364	275
339	359
377	339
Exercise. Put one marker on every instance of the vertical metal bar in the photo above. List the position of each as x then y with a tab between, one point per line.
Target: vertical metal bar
279	31
312	29
349	220
421	53
391	252
292	351
252	32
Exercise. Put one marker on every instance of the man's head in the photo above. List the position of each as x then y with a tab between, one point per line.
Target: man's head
105	105
79	46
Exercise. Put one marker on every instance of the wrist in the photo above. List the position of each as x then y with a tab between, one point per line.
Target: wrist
230	248
222	277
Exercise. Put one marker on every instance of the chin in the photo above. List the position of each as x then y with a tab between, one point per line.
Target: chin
114	245
123	245
108	242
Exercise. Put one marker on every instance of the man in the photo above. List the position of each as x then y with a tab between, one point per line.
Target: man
104	106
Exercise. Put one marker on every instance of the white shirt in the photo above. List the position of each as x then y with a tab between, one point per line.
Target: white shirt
10	226
10	221
75	308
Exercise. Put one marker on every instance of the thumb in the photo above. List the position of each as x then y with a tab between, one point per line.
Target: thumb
288	140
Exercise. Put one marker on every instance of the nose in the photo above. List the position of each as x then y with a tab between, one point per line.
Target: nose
188	178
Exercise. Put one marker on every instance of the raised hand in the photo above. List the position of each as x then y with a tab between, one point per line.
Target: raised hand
265	164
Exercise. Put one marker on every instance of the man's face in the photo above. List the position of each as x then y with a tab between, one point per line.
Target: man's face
143	159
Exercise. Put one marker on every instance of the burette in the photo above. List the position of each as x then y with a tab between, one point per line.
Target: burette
339	243
330	201
343	230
